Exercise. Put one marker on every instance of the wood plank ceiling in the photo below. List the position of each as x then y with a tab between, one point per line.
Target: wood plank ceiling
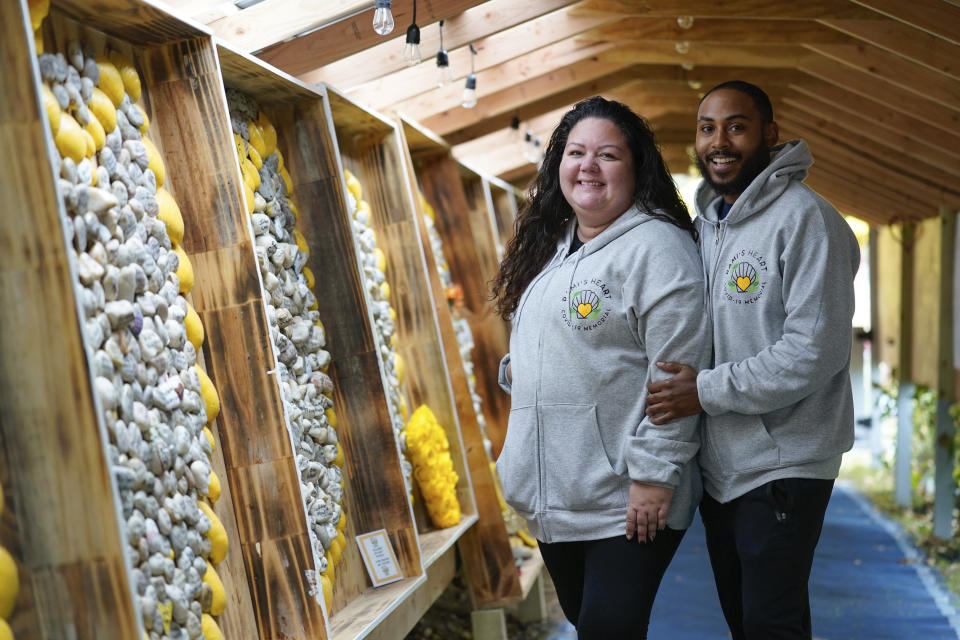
872	85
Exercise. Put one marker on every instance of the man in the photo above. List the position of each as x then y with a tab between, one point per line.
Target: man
780	263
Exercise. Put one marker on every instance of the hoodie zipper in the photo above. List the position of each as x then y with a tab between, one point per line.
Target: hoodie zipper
717	244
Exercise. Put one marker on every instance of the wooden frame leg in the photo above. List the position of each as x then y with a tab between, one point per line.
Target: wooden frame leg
488	624
533	608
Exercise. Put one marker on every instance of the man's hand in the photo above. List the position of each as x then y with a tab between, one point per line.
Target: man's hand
647	510
674	397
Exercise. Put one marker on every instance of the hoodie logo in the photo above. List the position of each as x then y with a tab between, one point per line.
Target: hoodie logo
584	304
587	307
746	277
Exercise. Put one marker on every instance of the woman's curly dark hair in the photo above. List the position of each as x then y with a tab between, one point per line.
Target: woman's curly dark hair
541	223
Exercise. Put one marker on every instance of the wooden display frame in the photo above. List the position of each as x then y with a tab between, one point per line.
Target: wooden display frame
502	201
371	148
72	489
488	560
375	497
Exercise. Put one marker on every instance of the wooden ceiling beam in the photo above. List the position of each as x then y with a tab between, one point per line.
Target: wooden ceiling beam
743	9
896	98
720	30
937	17
270	21
905	41
853	201
560	62
520	178
546	104
350	35
658	111
895	70
928	162
879	112
508	102
830	148
473	24
203	11
636	76
745	55
891	203
860	199
491	51
506	140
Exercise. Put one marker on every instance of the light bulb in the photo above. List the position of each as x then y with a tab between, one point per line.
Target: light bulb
684	22
411	50
382	18
444	74
682	46
469	99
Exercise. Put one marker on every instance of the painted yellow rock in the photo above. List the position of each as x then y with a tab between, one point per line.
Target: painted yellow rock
194	328
9	583
184	271
170	215
71	140
155	161
211	399
110	81
219	602
217	534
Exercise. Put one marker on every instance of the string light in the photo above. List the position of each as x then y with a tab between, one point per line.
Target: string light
469	99
382	17
444	74
411	50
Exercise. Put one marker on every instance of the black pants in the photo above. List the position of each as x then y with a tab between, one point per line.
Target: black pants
606	587
761	547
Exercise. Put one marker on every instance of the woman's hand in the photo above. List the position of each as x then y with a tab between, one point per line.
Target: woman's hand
647	510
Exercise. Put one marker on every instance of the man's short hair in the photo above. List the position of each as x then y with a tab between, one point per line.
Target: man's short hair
760	99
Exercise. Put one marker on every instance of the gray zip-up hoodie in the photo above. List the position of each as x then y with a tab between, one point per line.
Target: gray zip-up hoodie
779	272
586	334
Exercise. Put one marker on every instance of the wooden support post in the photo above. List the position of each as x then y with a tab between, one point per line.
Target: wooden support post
876	429
533	608
944	484
902	488
488	624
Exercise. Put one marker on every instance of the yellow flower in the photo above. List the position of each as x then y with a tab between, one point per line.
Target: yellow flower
429	451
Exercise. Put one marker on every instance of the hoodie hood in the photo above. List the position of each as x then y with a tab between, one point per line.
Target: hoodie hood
788	162
627	220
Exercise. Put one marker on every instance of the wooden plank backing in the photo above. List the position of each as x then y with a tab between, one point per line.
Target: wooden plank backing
380	170
504	204
273	558
469	237
485	548
61	522
375	494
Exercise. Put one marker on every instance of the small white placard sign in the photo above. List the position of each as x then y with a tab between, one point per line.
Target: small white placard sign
379	558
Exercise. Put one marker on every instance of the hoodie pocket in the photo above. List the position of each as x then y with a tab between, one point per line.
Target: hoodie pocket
741	443
519	463
578	475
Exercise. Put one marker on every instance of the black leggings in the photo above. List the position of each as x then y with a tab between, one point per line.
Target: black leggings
606	587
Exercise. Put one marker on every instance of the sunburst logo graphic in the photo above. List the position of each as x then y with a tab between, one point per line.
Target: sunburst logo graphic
584	304
743	278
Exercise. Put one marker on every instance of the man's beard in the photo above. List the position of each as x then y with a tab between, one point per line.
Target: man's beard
751	168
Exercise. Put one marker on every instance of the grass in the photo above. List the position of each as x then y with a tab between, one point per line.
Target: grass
876	482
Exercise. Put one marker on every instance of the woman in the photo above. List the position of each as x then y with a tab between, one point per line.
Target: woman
602	280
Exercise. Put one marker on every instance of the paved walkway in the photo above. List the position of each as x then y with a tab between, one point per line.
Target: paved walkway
867	584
